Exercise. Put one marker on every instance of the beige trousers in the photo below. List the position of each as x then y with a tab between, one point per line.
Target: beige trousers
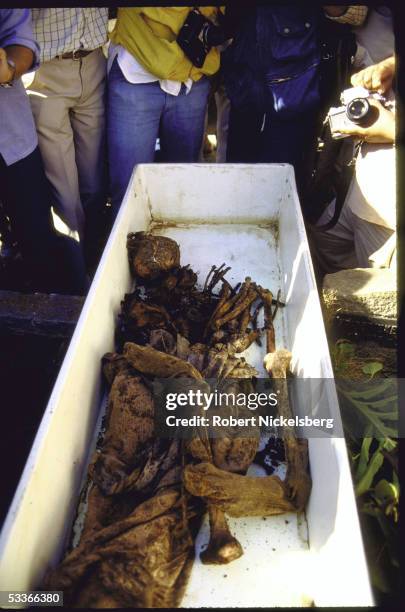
68	100
351	243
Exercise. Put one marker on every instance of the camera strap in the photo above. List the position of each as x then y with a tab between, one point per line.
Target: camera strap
331	176
343	175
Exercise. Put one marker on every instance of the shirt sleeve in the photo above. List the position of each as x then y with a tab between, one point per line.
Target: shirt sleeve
354	15
16	29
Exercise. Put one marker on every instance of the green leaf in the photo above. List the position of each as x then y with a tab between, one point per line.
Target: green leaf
371	416
385	492
372	368
345	348
363	459
395	480
382	403
373	467
373	390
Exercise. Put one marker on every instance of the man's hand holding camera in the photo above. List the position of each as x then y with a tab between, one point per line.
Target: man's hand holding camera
378	77
365	113
382	128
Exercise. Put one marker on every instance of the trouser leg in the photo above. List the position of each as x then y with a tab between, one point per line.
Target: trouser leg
53	93
289	141
182	124
368	238
223	109
243	136
88	124
334	249
55	262
133	119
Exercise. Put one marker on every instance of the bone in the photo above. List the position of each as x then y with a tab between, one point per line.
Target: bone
297	479
150	361
239	308
223	547
236	494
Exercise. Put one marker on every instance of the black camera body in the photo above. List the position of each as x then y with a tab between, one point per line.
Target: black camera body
197	36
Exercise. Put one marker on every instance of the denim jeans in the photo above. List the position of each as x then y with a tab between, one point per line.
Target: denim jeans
140	113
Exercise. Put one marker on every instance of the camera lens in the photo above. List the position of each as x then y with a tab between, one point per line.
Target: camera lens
357	109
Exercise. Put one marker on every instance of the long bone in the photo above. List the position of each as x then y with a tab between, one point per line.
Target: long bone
277	364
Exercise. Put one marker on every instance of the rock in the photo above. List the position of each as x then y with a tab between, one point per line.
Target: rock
362	292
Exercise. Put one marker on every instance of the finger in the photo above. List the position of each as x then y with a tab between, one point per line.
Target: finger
386	83
376	81
356	79
3	55
361	81
376	103
357	131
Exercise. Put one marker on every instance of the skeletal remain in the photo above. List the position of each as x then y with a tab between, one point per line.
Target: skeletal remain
150	361
236	494
148	495
297	479
149	255
223	547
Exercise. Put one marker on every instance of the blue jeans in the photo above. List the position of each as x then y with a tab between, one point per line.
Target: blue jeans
140	113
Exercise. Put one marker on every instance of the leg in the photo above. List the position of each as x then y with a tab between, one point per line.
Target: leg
53	92
243	136
333	249
134	113
368	238
88	123
223	109
55	262
223	547
289	142
235	494
182	125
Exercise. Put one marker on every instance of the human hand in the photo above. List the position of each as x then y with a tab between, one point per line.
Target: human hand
335	10
381	128
6	72
377	77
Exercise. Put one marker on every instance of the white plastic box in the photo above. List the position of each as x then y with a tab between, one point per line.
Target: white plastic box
249	217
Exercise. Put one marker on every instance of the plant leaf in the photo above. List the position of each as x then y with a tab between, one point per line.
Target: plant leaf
363	458
372	368
373	467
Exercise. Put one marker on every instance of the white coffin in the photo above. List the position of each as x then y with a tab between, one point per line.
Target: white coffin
249	217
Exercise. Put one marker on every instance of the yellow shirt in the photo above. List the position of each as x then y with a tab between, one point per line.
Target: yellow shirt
149	34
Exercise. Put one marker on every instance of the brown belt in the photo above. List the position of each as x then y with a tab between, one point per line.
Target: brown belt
75	55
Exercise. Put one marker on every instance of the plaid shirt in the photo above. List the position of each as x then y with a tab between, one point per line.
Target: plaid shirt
354	15
61	30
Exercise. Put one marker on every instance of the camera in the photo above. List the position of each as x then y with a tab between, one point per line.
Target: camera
356	110
198	35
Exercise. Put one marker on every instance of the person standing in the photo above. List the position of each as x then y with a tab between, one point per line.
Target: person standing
54	262
155	90
279	73
67	96
364	233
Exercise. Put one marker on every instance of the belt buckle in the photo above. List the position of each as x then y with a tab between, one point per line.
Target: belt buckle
74	57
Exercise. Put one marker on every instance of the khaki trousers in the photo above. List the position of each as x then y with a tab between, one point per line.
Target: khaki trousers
68	100
351	243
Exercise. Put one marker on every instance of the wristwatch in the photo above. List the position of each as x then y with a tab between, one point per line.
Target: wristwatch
12	65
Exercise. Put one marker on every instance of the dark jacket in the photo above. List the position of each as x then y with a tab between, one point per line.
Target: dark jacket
275	62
